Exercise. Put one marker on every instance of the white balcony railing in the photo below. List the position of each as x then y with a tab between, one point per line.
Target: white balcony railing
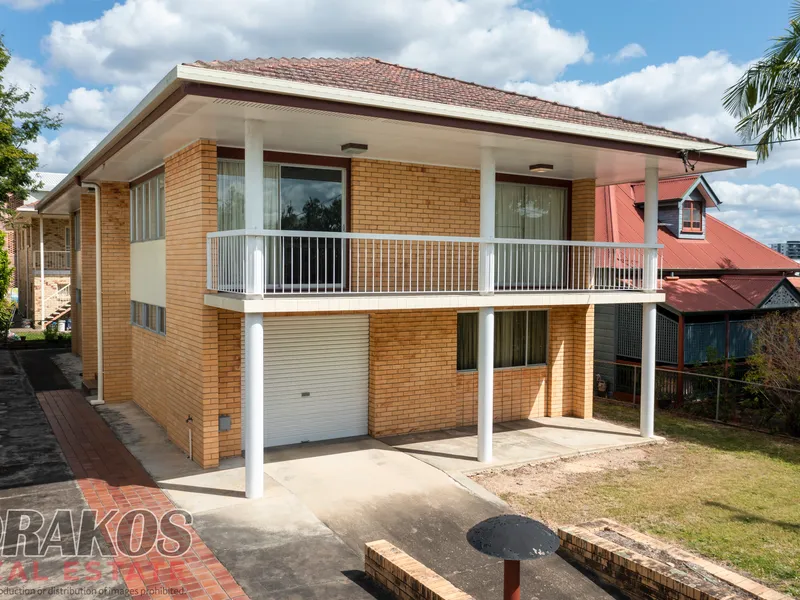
54	260
302	262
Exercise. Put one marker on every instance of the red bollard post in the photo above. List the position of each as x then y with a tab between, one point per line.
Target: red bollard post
511	583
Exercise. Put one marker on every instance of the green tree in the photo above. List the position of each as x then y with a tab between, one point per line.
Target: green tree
766	99
18	128
6	271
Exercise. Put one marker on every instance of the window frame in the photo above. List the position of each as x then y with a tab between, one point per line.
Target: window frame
148	209
691	206
526	341
141	314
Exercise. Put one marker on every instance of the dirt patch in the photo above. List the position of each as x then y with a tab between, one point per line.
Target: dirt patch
540	479
71	366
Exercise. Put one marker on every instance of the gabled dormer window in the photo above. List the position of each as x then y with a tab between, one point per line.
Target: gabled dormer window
692	216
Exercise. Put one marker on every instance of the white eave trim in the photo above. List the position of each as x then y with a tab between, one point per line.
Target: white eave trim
321	92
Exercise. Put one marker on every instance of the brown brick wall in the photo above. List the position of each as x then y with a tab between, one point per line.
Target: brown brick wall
414	385
116	291
229	338
88	288
391	197
192	329
151	369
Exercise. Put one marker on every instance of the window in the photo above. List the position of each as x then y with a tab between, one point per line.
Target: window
520	339
296	198
693	216
530	212
149	316
147	210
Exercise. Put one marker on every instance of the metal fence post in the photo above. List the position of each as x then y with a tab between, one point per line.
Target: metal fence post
717	413
634	383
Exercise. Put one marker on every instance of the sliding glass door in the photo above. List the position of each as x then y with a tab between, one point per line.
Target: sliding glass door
530	212
296	198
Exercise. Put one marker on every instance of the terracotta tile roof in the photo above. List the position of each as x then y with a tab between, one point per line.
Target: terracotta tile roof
617	219
379	77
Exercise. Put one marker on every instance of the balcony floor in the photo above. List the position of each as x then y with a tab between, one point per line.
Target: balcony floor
300	303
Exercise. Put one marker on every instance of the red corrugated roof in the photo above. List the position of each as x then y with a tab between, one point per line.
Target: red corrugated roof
377	76
668	189
724	249
726	293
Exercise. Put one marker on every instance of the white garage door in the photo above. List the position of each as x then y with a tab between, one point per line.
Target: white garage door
316	378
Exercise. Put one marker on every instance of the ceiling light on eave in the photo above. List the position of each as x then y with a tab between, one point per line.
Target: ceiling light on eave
353	148
540	168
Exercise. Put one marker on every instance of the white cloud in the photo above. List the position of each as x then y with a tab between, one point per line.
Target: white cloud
685	95
491	41
26	4
27	77
99	109
63	152
769	213
627	52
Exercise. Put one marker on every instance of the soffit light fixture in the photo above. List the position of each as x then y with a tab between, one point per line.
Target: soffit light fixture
353	148
540	168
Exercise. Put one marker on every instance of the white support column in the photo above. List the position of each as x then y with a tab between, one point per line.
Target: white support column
647	409
486	267
254	322
254	203
486	315
41	270
485	383
254	404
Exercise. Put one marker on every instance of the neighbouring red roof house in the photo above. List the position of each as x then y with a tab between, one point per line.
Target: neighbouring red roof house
708	265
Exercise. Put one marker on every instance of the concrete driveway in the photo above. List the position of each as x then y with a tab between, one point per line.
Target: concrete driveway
322	502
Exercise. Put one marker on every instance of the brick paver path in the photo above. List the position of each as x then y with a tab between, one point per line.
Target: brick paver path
111	478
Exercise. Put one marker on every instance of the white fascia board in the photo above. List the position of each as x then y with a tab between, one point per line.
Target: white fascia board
321	92
374	302
133	117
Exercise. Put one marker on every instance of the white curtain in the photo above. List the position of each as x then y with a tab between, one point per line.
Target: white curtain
230	216
530	212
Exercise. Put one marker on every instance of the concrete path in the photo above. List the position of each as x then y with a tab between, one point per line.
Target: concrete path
321	503
517	442
34	475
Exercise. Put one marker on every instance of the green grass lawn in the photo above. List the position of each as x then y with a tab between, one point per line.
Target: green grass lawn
32	335
729	494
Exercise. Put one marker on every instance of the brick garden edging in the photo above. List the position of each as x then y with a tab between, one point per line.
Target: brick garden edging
404	577
643	577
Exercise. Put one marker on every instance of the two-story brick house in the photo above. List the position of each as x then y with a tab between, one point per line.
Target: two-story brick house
40	247
304	249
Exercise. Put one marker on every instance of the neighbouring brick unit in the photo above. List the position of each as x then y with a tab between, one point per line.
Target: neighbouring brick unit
229	336
116	290
404	577
642	577
414	384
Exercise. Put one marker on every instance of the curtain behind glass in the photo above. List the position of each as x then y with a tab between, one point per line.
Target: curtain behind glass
230	195
530	212
509	339
537	337
467	352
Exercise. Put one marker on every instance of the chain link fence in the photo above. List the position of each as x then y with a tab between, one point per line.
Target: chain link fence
724	399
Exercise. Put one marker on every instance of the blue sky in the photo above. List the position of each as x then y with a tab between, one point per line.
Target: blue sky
665	63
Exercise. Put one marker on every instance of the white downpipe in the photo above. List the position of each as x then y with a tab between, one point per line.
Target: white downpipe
98	262
254	404
485	383
647	409
254	322
486	314
41	269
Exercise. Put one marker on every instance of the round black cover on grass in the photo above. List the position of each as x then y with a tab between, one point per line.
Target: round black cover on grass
513	537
